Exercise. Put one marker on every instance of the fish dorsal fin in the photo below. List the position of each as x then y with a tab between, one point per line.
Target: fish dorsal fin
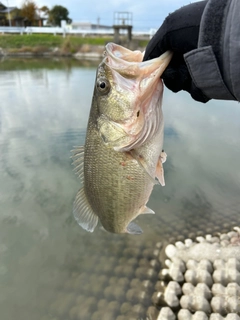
78	157
146	210
133	228
143	165
83	213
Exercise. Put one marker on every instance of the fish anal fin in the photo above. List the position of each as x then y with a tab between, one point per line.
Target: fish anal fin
83	213
133	228
160	172
146	210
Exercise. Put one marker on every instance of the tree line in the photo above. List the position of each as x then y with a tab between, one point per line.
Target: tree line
30	10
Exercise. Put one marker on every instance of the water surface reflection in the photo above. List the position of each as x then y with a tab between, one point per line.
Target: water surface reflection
50	268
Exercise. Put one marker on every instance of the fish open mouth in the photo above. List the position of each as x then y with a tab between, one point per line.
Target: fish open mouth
129	63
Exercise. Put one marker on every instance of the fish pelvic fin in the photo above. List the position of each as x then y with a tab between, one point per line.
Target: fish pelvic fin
78	161
133	228
146	210
83	212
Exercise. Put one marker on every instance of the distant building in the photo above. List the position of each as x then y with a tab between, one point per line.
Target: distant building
11	16
89	26
7	14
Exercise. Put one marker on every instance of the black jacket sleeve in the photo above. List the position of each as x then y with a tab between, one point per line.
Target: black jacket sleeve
214	64
205	39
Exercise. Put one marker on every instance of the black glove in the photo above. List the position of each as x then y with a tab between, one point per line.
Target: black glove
179	33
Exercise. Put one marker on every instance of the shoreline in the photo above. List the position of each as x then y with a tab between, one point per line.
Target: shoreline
90	52
87	56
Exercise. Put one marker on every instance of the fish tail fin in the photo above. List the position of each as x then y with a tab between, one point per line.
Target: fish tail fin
83	212
133	228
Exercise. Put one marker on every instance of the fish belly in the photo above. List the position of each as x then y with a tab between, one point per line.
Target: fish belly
115	185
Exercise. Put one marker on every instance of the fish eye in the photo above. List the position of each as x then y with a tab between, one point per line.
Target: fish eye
103	86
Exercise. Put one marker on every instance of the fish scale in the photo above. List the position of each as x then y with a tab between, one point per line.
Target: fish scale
110	190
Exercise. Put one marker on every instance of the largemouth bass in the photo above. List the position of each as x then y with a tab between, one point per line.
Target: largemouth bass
122	156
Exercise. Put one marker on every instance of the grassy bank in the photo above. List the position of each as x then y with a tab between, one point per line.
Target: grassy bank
40	43
47	40
34	63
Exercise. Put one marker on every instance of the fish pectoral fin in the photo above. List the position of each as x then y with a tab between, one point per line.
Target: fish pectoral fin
146	210
78	157
83	213
160	172
133	228
143	165
163	156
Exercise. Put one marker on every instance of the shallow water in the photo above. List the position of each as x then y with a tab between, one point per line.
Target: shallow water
49	266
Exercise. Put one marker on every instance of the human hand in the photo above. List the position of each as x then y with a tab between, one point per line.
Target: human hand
179	33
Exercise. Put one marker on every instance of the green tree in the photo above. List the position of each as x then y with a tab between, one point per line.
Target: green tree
44	9
58	13
28	10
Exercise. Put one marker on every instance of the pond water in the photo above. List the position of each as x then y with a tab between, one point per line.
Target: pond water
50	268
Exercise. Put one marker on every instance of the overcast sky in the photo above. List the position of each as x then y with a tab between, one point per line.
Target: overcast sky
146	13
